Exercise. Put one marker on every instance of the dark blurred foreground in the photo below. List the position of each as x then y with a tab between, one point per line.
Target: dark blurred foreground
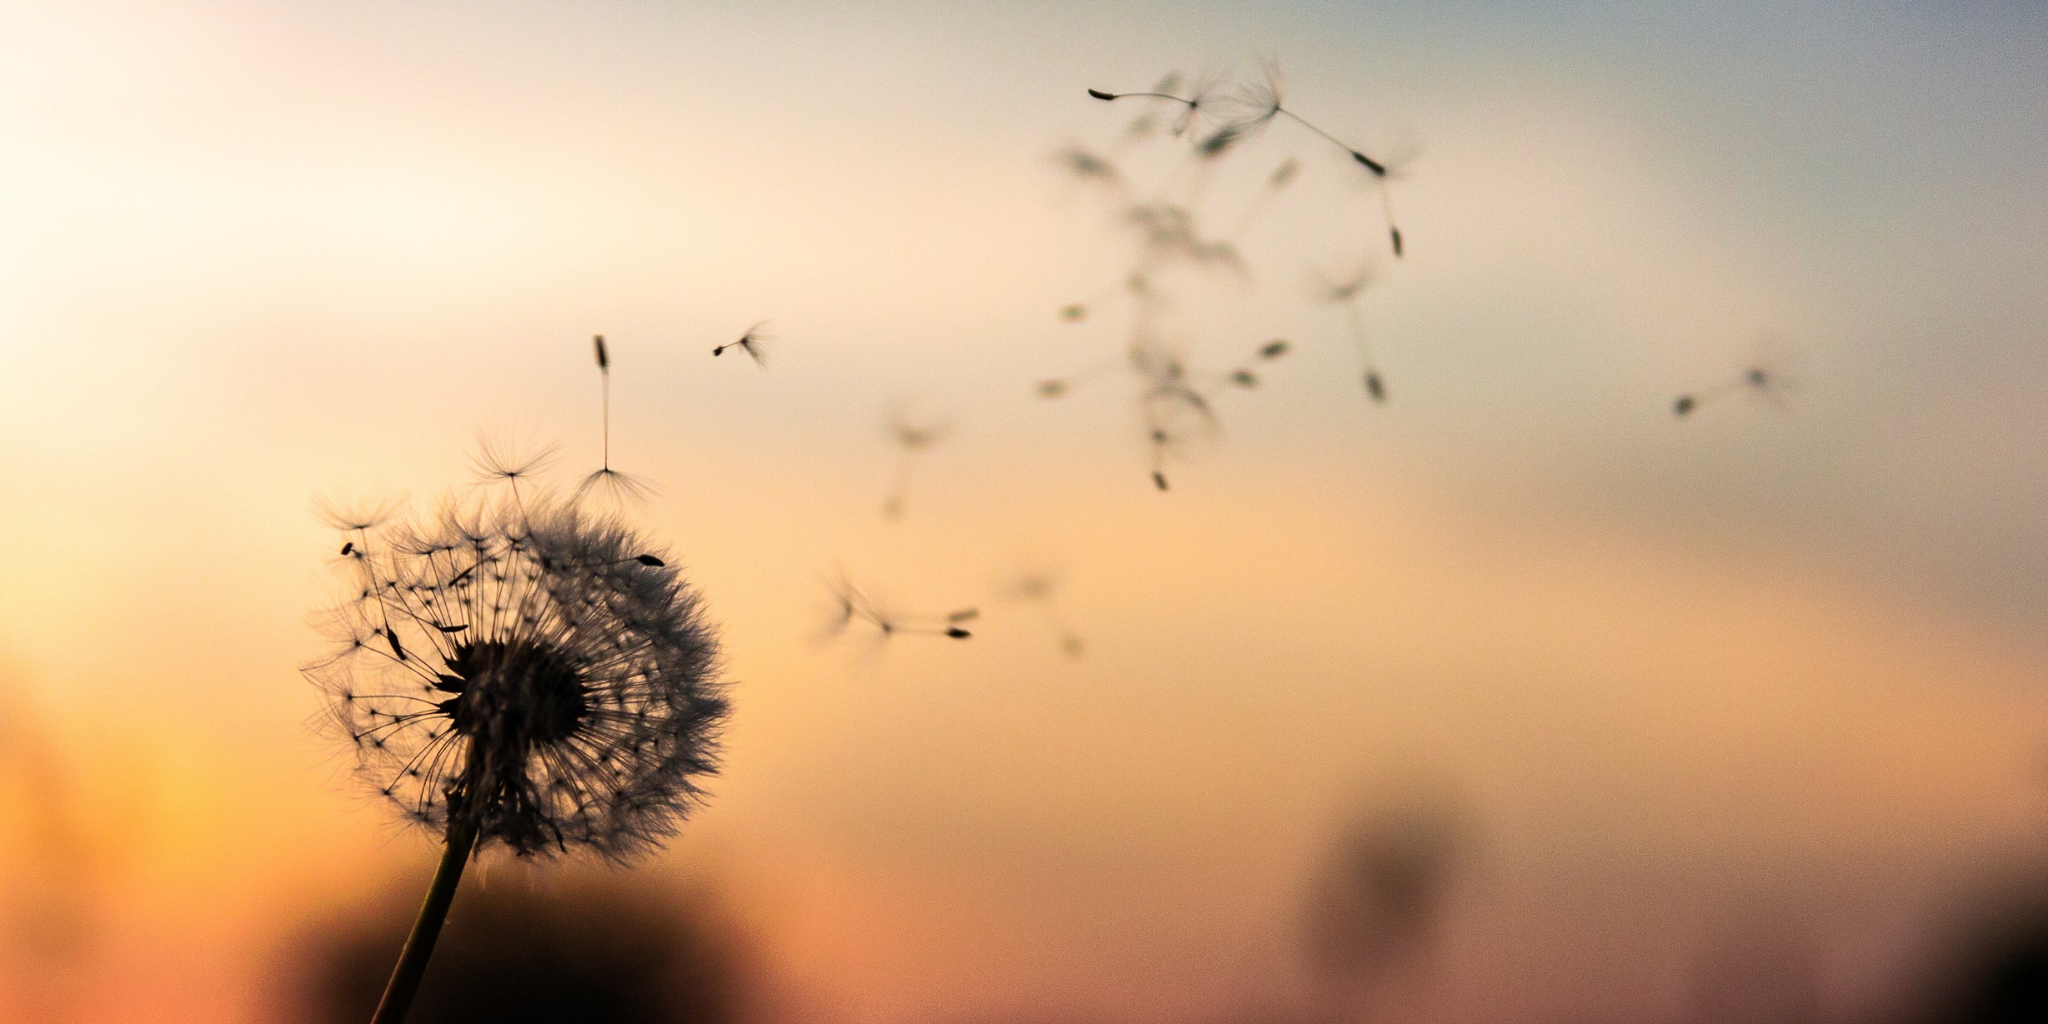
525	946
516	949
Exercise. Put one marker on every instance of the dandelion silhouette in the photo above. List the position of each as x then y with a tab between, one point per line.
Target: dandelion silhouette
1768	378
617	486
910	437
1038	589
519	672
753	343
1347	293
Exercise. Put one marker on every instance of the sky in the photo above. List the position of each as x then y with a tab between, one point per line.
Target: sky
1678	676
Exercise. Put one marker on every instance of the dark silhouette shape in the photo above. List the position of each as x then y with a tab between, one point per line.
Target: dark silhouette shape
585	699
606	952
1089	166
1192	106
852	606
1347	293
1993	958
1262	100
1766	378
500	458
618	486
1377	897
753	343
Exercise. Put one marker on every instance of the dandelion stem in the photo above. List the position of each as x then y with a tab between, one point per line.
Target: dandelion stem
412	962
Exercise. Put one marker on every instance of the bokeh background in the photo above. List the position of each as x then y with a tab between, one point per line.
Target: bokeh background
1516	699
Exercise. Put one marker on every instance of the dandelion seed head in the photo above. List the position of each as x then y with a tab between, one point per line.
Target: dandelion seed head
537	678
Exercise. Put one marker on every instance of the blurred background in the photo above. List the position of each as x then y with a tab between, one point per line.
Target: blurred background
1515	698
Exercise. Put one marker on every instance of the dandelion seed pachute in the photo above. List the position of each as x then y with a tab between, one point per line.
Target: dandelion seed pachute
529	670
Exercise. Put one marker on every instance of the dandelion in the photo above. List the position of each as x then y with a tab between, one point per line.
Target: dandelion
519	673
616	485
753	343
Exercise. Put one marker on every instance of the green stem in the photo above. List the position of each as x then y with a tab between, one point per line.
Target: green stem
412	962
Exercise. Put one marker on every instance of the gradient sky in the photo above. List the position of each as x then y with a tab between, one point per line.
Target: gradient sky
1749	666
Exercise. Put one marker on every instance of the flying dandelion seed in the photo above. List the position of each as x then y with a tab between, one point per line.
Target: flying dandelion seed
1192	107
1167	231
1348	293
1380	172
1089	167
1259	102
1039	589
854	610
1250	108
521	673
753	343
1135	284
500	459
1175	400
1174	414
1146	124
1770	378
910	437
618	487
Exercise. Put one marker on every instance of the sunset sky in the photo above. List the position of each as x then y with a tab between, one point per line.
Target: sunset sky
1686	681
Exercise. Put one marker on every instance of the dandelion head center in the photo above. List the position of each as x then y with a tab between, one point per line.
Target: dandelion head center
518	693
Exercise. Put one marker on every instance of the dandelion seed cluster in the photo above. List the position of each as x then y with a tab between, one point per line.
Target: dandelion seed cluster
1214	119
530	671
